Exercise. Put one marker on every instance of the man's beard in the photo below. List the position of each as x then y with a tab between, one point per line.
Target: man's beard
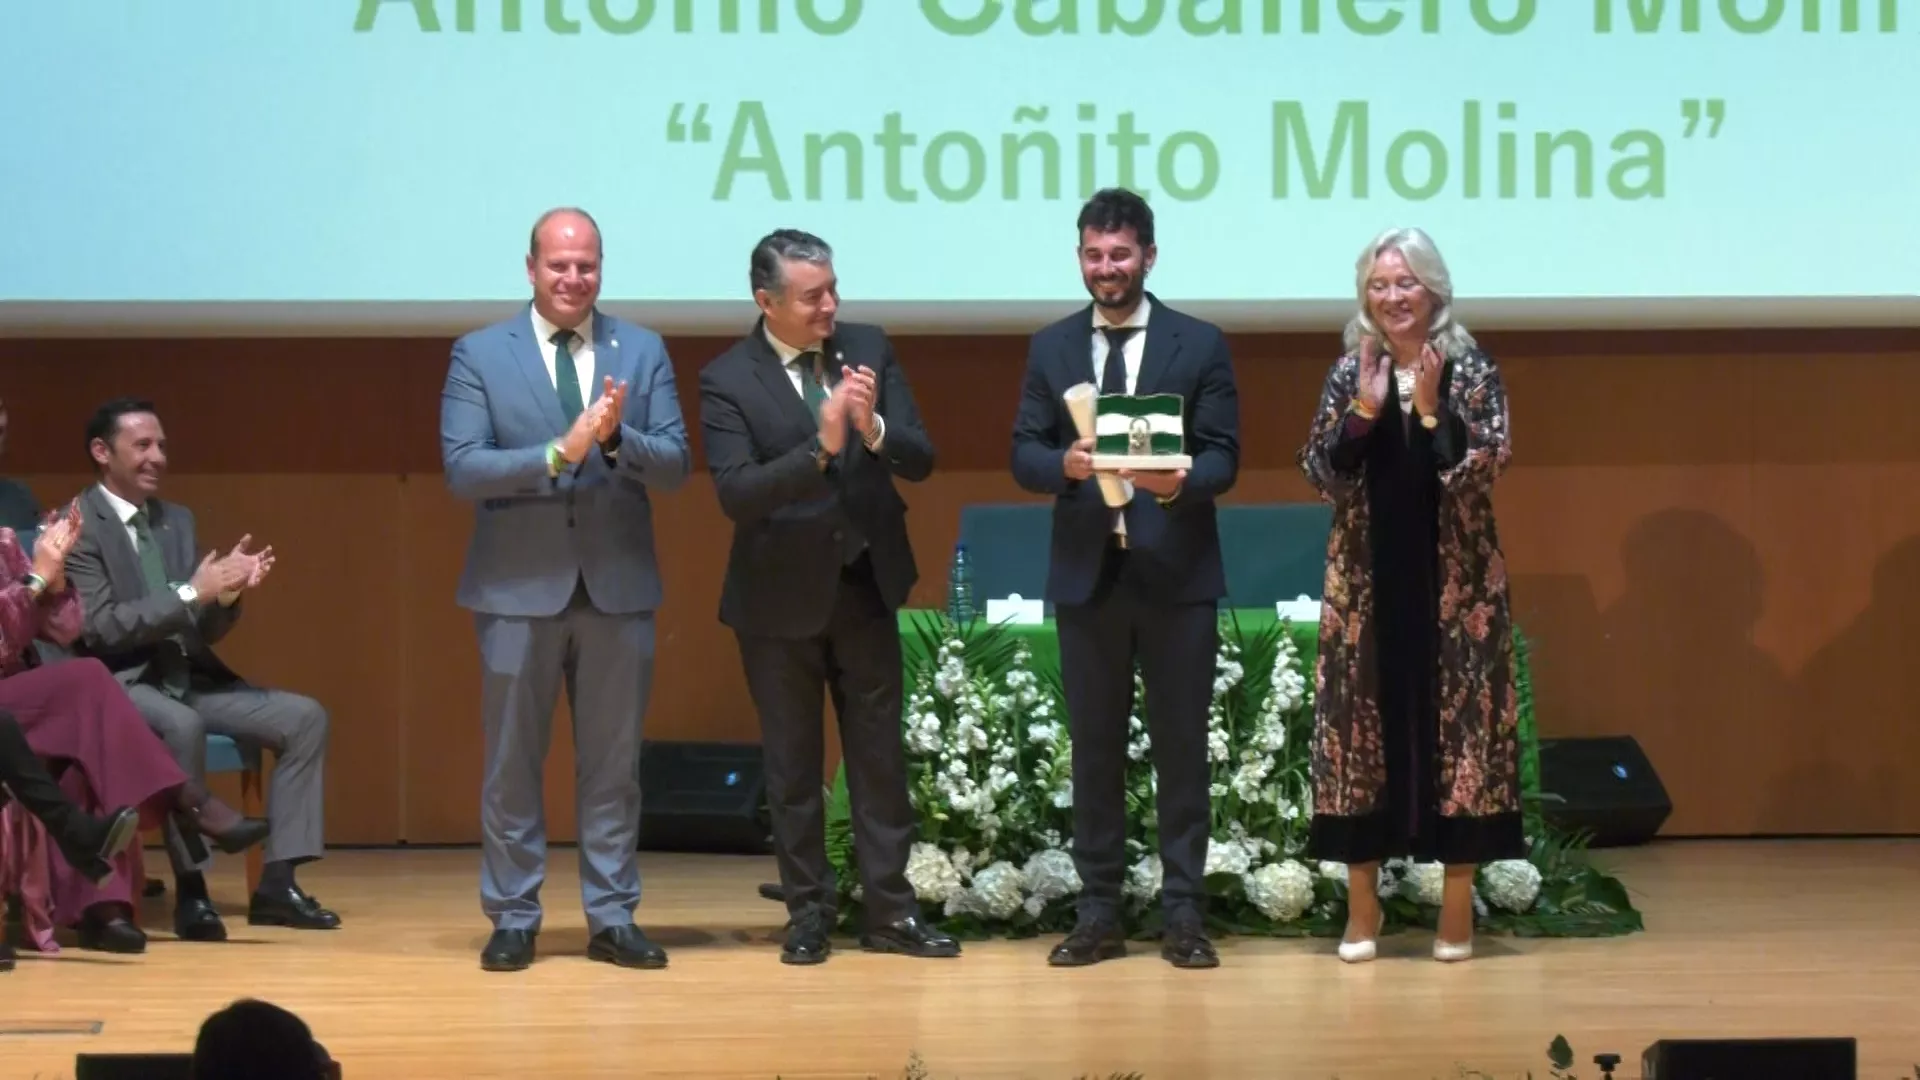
1129	295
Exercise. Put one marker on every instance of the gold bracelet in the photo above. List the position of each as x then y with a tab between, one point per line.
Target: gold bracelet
1359	408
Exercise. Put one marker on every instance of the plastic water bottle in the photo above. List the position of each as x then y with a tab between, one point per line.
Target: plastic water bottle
960	607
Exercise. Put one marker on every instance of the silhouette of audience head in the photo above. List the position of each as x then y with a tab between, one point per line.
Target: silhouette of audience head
255	1040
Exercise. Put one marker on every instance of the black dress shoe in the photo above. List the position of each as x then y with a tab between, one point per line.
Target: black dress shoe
626	946
1185	945
508	950
807	940
7	957
909	936
92	842
111	933
290	907
1089	943
194	919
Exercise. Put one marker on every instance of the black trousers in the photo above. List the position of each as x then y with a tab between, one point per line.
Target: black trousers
24	777
855	661
1175	646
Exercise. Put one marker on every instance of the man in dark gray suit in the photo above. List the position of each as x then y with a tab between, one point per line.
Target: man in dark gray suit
155	608
561	579
809	422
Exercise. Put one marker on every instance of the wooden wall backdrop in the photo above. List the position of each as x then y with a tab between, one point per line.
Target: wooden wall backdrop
1714	539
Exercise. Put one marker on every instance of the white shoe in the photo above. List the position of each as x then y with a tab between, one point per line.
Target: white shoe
1359	952
1449	953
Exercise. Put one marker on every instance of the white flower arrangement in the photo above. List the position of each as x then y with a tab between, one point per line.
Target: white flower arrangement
1511	884
989	764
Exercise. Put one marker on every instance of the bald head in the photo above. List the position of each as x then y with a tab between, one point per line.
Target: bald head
563	224
563	265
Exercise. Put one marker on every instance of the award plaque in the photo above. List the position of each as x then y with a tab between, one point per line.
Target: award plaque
1142	432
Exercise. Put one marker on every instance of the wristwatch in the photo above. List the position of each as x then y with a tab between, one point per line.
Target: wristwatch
820	455
1429	422
187	593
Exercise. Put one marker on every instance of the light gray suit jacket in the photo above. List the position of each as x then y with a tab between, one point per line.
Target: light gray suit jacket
125	622
536	536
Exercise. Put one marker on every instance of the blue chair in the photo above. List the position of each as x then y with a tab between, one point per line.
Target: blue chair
227	756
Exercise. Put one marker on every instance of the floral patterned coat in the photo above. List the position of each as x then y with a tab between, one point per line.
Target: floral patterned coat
1479	712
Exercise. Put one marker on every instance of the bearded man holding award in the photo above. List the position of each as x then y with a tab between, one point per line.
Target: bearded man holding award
1129	417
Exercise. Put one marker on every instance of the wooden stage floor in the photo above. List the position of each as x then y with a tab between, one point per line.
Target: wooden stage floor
1745	938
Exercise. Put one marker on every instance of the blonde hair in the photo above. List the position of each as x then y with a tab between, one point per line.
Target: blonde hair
1430	269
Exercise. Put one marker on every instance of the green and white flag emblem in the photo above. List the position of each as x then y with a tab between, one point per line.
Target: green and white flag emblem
1138	424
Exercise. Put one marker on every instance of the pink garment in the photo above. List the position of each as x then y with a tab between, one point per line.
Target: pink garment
26	855
55	615
78	717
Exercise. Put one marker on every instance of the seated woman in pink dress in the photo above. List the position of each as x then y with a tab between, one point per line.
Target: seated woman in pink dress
87	842
79	719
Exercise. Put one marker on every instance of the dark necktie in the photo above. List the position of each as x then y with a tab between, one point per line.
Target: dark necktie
812	390
170	658
1114	379
566	377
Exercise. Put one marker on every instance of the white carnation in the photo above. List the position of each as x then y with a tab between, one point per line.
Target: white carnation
1512	884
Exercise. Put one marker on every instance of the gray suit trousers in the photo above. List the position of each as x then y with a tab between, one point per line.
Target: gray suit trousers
292	726
607	664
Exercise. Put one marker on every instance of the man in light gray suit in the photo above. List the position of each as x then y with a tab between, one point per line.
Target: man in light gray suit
560	576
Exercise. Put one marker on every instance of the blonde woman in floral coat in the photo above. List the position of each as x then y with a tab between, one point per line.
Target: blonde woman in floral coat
1416	744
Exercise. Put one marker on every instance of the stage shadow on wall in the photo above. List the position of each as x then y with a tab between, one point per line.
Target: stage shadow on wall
1866	679
1671	662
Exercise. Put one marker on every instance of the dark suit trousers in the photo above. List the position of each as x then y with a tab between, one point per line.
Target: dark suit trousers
856	660
1175	647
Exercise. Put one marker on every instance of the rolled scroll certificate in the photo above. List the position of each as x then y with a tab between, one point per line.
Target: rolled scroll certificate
1080	405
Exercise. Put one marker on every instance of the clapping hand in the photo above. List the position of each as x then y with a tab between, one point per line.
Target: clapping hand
833	419
584	433
257	563
612	406
860	398
1375	375
51	546
1426	381
220	574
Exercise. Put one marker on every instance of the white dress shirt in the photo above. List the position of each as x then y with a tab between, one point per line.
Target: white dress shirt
126	510
1131	354
788	354
582	350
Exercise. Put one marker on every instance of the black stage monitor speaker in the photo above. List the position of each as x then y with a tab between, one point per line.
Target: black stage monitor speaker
1605	787
701	796
133	1067
1750	1059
